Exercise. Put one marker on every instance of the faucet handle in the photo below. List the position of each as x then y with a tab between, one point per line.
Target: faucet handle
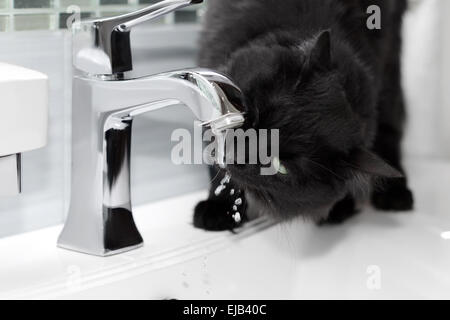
102	47
126	22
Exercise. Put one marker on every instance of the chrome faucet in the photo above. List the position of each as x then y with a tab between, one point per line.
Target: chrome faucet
106	98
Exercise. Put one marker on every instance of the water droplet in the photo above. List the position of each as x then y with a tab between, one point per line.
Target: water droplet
219	190
238	201
232	192
237	217
235	208
220	158
222	186
226	179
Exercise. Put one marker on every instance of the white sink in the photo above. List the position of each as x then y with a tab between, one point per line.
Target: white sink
24	106
375	256
24	111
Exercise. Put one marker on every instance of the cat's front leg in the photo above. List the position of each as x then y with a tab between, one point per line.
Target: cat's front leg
225	208
392	194
341	212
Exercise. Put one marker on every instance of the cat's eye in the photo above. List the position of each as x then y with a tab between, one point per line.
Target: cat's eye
279	167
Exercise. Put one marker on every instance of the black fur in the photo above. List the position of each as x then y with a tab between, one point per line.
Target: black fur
313	70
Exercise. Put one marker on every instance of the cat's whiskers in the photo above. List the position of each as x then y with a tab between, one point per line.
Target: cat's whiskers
213	179
325	168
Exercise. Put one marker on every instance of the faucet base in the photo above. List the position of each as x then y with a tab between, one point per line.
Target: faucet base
106	253
118	234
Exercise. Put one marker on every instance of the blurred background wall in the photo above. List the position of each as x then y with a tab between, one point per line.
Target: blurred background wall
445	74
426	67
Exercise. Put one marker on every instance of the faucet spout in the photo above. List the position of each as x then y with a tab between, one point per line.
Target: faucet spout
100	220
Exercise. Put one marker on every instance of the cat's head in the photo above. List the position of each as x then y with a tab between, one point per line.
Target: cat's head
310	92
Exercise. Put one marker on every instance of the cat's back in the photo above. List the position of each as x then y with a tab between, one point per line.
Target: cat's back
231	24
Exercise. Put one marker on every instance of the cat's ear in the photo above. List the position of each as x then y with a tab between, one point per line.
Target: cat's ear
321	53
366	161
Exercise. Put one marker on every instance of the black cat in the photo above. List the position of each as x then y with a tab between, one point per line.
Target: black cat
315	71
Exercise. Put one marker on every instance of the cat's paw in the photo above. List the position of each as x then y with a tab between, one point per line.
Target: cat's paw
395	196
216	215
341	212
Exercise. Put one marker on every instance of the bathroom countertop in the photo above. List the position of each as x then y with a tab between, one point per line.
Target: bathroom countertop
375	255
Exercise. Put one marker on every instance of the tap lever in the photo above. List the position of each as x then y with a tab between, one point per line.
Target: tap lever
126	22
102	47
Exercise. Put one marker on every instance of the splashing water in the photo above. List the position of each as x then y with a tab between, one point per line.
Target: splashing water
226	179
220	153
219	190
237	217
223	184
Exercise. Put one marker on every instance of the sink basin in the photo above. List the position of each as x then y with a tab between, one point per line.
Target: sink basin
374	256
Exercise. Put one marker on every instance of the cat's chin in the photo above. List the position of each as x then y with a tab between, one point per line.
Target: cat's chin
258	207
255	207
